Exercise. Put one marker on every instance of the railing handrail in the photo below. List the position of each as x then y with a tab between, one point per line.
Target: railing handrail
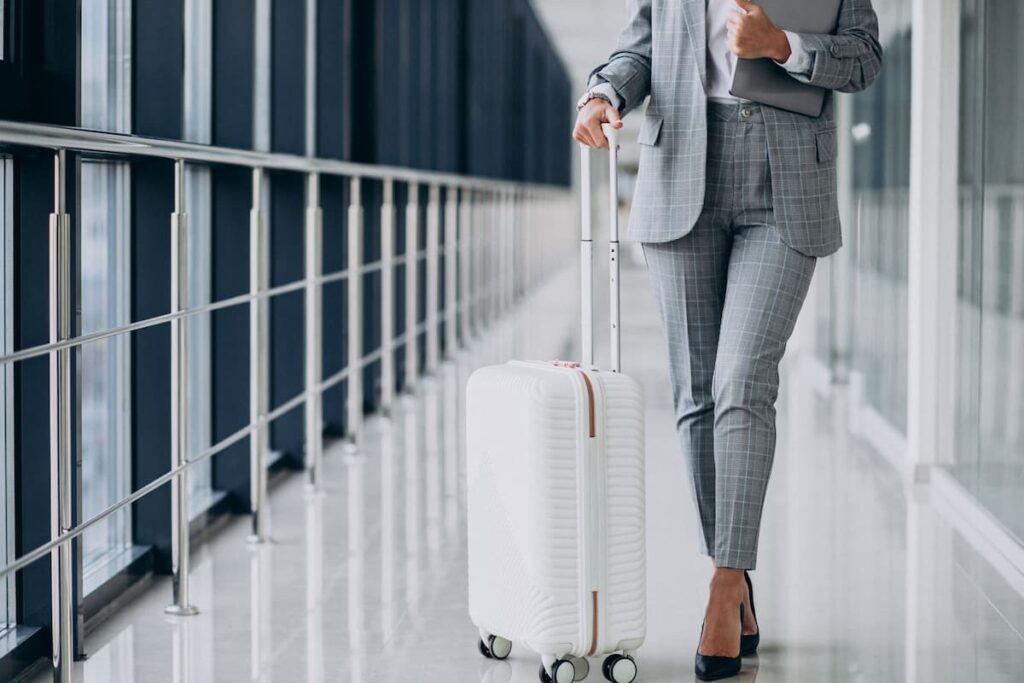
49	136
26	558
189	312
484	271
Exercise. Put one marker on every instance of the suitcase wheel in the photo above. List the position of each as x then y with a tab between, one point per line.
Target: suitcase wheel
582	667
619	669
562	671
496	647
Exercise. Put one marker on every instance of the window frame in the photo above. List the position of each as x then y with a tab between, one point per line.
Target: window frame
8	606
3	30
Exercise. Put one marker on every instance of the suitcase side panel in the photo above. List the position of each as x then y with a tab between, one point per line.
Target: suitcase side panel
626	564
524	541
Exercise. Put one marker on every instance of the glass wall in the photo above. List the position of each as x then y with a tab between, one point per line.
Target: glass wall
862	302
989	452
105	300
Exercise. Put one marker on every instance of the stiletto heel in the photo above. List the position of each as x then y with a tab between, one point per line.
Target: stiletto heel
714	667
748	644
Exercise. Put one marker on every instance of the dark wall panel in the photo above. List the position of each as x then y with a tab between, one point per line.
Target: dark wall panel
288	77
233	22
230	330
152	200
361	98
157	68
334	204
31	381
157	82
286	311
232	72
37	76
333	44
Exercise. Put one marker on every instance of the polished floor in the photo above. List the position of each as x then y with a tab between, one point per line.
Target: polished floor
860	578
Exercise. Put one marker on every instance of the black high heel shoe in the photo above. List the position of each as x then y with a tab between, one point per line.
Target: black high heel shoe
714	667
748	644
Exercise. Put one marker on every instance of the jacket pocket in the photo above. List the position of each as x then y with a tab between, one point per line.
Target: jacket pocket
825	140
650	130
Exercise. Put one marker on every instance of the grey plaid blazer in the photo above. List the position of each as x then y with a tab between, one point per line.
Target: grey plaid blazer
662	53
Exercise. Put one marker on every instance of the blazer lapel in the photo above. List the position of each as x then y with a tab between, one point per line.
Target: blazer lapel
695	15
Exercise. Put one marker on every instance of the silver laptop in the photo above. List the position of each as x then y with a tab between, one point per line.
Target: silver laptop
762	80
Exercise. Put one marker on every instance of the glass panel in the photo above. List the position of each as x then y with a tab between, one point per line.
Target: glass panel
261	78
105	365
877	220
990	436
106	65
198	128
7	613
968	314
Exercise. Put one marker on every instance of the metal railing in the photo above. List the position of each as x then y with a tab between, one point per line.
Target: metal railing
496	247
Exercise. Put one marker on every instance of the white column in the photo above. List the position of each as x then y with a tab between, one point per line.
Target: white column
932	297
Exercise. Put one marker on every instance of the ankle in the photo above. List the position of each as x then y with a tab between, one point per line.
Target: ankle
727	578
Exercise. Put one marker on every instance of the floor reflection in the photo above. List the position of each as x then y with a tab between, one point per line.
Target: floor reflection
860	579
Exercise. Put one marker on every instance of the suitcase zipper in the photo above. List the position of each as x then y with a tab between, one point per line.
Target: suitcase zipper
594	463
590	407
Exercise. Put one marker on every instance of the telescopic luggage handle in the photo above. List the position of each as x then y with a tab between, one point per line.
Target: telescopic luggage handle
587	251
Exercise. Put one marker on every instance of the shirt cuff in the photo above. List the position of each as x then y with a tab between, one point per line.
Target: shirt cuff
605	89
799	61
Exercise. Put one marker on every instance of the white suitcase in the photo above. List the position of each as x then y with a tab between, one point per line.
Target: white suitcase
555	471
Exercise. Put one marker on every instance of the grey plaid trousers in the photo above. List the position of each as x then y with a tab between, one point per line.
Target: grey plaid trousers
729	293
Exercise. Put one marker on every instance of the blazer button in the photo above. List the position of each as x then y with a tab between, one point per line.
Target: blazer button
834	50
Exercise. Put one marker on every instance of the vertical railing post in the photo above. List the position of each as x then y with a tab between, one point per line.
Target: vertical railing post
498	262
479	243
490	229
60	425
181	605
517	259
465	238
433	239
451	270
387	297
354	412
412	241
257	362
528	222
314	322
508	250
493	258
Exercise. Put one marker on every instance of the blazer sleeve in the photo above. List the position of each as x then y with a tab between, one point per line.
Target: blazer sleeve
628	69
850	60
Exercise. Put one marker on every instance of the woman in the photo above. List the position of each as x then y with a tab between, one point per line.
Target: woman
734	204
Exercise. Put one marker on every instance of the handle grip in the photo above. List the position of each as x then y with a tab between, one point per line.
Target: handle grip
587	249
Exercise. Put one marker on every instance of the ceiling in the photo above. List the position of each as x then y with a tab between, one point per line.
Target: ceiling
585	31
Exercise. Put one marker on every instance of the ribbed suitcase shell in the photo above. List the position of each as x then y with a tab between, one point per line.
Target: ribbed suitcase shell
535	479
